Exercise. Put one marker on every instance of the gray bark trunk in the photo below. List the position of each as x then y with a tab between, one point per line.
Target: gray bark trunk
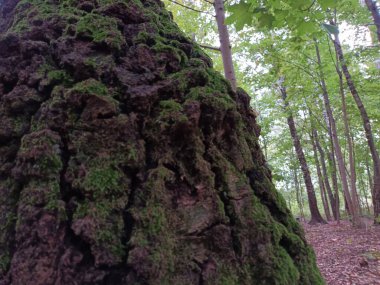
372	7
367	128
225	45
298	193
325	175
314	211
320	179
351	157
337	148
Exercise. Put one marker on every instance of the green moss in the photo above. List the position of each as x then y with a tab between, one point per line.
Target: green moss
170	49
5	261
100	29
109	237
29	11
221	208
285	271
170	105
209	96
154	220
102	180
48	163
59	76
91	86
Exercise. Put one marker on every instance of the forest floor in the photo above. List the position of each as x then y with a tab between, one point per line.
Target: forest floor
345	255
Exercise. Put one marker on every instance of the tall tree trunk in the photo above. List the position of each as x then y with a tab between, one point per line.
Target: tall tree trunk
298	193
313	205
325	175
337	149
320	178
225	45
370	178
332	165
372	7
366	125
347	133
365	193
109	174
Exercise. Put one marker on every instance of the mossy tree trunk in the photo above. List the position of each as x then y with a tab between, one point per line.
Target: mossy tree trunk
126	159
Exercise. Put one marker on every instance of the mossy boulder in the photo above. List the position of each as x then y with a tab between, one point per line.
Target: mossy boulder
126	159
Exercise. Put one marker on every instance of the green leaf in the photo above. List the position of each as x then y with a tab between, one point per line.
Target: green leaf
331	29
306	28
326	4
265	20
240	15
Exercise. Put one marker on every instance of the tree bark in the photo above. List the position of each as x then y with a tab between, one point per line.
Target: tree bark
347	133
313	205
332	165
372	7
298	193
366	125
337	149
325	175
320	178
225	45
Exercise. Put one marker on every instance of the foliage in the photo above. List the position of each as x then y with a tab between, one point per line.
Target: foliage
275	38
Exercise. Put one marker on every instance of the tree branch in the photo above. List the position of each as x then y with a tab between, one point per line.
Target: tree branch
210	47
191	8
210	2
308	8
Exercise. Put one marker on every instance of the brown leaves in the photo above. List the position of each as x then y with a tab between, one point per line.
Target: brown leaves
346	255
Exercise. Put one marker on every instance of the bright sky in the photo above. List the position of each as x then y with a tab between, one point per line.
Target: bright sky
354	37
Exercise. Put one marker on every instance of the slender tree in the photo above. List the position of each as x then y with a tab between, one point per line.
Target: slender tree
332	198
320	178
313	205
366	125
225	44
337	149
299	194
374	9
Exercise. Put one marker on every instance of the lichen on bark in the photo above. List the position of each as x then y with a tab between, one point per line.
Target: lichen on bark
126	159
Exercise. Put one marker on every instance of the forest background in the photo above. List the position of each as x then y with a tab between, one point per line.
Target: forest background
286	55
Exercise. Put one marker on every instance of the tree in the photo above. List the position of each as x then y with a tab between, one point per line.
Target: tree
125	158
366	125
372	7
349	197
314	211
225	45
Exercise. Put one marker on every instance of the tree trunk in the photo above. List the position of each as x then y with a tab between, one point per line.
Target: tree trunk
367	128
369	175
298	194
320	178
225	45
337	150
372	7
332	165
126	159
313	205
325	175
351	157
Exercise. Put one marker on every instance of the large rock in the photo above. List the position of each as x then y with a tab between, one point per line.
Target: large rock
126	159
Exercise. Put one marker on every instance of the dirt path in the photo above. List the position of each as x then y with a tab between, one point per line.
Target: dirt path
346	256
